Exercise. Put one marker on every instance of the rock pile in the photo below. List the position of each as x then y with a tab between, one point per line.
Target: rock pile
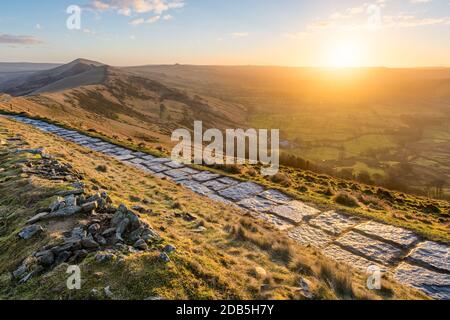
47	167
109	229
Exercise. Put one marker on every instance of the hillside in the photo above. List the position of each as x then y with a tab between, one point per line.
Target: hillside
380	126
206	250
118	102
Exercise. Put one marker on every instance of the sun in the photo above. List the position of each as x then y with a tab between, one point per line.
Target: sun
345	55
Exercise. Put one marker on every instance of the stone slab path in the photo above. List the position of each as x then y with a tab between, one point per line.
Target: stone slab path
424	265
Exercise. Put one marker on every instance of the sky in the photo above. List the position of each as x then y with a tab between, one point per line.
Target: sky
318	33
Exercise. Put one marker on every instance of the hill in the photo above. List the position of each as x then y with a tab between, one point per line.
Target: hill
124	103
198	249
380	126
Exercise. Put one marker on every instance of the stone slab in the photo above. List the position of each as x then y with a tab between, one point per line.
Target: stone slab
334	223
205	176
215	185
196	187
294	211
174	165
394	234
228	181
272	219
160	160
256	204
124	157
432	253
310	236
176	174
158	168
375	250
276	196
241	191
340	255
433	284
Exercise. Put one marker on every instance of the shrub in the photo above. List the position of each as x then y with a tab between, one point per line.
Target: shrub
281	179
102	168
346	199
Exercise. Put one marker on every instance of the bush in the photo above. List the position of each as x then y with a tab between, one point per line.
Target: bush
346	199
281	179
102	168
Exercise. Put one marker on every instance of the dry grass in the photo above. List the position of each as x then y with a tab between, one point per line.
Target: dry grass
214	264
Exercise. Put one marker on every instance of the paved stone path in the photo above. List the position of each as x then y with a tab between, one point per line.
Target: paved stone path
424	265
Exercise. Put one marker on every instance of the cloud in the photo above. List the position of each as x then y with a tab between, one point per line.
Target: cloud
137	8
26	40
240	34
139	21
420	1
130	7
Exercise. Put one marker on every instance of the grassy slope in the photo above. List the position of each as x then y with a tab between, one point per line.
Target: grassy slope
219	263
428	217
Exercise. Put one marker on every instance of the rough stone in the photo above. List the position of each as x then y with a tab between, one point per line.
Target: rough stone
242	191
355	261
94	228
334	223
205	176
45	258
164	257
104	256
373	249
196	187
294	211
215	185
28	232
307	235
63	257
89	243
169	248
435	285
141	245
38	217
393	234
256	204
276	196
176	174
89	206
432	253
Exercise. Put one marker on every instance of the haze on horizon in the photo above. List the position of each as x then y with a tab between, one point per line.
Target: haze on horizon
321	33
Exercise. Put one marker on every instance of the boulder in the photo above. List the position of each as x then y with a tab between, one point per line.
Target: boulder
121	227
164	257
88	207
70	200
28	232
57	204
169	248
45	258
94	228
104	256
89	243
63	257
38	217
141	245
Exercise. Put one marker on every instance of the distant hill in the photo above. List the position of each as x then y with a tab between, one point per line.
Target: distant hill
11	70
77	73
131	104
